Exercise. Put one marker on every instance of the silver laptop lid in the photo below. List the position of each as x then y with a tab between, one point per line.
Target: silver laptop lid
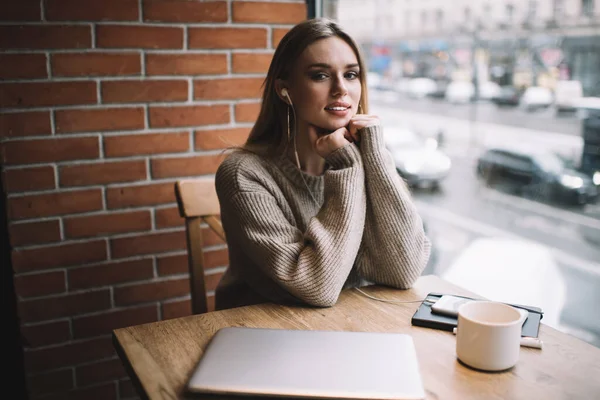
300	363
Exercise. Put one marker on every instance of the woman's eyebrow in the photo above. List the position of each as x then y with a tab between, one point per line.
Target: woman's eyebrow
323	65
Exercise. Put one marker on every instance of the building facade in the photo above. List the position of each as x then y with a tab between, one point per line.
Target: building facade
513	42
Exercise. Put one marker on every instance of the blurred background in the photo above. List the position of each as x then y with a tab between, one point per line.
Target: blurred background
491	110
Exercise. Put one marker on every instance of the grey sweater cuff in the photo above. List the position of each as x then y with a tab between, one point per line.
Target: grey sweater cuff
344	157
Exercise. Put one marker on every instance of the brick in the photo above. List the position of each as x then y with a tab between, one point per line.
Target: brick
95	64
106	119
40	94
45	37
144	195
42	284
153	291
51	382
105	10
57	256
271	12
50	150
46	205
26	179
251	62
110	274
185	11
102	173
144	91
172	265
277	35
178	264
68	354
34	233
104	323
168	218
167	117
227	38
144	37
153	143
25	124
104	224
102	371
23	66
229	88
24	10
220	138
64	306
246	112
186	64
106	391
126	389
45	334
147	244
185	166
176	309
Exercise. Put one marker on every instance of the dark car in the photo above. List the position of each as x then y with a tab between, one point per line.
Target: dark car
508	96
540	175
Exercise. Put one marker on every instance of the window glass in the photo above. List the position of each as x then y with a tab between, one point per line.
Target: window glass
500	102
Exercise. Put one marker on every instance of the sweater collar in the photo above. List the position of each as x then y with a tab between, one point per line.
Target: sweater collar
296	176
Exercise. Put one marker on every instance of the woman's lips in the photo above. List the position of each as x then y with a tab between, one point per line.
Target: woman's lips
338	111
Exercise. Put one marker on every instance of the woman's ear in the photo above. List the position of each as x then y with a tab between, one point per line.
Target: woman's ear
282	91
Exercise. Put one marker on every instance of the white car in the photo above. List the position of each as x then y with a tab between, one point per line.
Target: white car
460	92
419	161
489	90
536	97
419	88
566	95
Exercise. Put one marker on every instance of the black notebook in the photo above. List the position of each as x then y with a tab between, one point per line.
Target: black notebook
426	318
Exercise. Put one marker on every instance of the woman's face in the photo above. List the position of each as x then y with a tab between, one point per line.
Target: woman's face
325	85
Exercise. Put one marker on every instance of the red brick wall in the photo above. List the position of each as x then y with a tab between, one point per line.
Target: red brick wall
104	105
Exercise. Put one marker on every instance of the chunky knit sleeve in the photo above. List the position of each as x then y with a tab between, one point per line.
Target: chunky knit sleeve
395	249
313	265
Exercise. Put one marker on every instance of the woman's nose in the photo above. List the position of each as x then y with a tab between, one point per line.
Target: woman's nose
339	87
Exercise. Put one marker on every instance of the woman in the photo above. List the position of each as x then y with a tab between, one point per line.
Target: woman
313	203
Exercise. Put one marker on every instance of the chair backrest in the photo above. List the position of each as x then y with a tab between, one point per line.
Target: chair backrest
198	202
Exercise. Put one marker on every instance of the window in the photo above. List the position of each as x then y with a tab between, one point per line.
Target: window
587	7
510	13
532	10
535	151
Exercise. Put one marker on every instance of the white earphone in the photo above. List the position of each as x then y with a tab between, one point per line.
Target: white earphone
284	93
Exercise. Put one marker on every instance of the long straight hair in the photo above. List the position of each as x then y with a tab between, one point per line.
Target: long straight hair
268	137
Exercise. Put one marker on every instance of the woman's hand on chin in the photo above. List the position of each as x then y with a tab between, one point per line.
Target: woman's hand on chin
325	144
360	121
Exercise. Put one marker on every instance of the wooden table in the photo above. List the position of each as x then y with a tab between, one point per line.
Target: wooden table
161	356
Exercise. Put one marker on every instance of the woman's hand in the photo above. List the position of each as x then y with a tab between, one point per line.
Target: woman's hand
325	144
360	121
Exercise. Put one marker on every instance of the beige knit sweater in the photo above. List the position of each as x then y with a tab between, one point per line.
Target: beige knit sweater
285	248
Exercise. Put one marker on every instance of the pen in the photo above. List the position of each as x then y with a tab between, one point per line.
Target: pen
526	341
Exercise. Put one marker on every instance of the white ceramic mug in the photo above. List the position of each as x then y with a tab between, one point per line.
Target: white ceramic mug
488	335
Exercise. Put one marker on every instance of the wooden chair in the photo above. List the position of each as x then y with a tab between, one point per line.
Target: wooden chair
197	201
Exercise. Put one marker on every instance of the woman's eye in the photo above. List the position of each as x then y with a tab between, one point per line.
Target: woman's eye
319	76
352	75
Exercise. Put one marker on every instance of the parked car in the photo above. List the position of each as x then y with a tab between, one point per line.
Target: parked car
488	90
419	88
419	161
536	97
440	90
566	95
460	92
537	174
508	96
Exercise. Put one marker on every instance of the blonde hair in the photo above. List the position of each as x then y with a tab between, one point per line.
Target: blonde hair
268	137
